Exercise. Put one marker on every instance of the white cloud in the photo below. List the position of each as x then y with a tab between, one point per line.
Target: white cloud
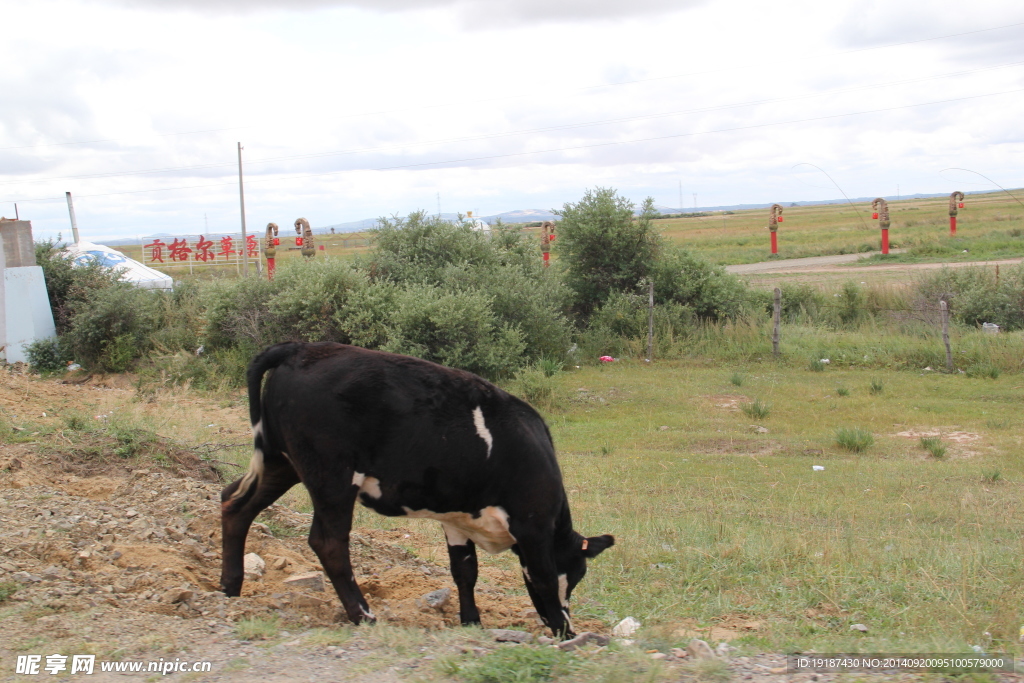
399	88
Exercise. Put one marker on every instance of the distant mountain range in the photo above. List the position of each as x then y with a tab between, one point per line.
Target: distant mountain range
523	216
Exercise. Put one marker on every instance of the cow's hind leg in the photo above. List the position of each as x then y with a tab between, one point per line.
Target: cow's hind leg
462	555
329	539
241	501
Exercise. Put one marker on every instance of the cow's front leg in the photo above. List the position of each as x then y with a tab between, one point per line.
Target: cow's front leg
329	539
546	588
462	555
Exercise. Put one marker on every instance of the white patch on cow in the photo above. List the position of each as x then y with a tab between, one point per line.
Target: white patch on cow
371	487
453	535
368	485
568	622
252	476
563	588
481	429
367	613
489	530
526	573
257	429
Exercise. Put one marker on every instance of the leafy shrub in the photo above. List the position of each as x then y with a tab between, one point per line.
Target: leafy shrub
842	391
876	387
505	267
975	296
47	355
114	327
604	246
737	379
457	329
855	440
534	385
69	286
705	291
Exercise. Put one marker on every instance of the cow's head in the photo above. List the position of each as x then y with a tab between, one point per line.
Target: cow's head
571	561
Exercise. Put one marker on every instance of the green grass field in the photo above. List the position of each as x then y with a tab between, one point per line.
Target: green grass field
991	226
720	522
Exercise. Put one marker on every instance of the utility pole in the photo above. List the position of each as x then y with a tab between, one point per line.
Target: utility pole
241	201
681	196
695	202
74	223
438	204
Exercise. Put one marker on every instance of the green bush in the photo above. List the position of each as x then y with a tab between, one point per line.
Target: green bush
975	296
605	247
705	291
47	355
69	286
457	329
114	327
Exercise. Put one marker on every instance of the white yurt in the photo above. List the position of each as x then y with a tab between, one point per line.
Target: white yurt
133	271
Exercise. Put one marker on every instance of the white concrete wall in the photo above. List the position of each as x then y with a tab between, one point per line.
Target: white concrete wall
28	315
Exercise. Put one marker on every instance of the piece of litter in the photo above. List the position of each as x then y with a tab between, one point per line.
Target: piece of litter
606	359
818	468
626	627
825	361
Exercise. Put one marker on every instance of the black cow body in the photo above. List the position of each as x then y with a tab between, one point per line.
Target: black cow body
406	437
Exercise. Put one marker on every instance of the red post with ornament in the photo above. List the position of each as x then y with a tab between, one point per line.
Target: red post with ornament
270	248
547	236
774	218
880	207
956	201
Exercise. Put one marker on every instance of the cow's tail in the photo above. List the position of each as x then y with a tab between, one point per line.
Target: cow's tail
268	360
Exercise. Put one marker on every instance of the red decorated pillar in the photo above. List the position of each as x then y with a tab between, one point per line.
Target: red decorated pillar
956	201
774	218
881	212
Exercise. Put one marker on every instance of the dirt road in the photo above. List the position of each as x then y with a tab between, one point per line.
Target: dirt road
840	264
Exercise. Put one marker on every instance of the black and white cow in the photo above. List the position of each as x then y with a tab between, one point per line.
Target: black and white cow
407	438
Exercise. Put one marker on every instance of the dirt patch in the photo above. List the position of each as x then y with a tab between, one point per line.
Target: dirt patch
958	441
736	446
726	401
729	627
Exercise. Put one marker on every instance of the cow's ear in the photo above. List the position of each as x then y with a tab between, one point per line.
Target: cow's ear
595	545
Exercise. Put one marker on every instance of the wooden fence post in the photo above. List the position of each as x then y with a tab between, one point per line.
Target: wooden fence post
650	322
776	317
945	335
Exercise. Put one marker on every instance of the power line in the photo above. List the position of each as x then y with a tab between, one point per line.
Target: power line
90	142
527	131
556	149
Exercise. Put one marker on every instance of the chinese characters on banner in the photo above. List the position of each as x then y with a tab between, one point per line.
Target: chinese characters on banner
201	250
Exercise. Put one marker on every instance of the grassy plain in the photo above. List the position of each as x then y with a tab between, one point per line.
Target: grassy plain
991	226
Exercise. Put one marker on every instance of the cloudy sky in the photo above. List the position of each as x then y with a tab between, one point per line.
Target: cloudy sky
350	109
